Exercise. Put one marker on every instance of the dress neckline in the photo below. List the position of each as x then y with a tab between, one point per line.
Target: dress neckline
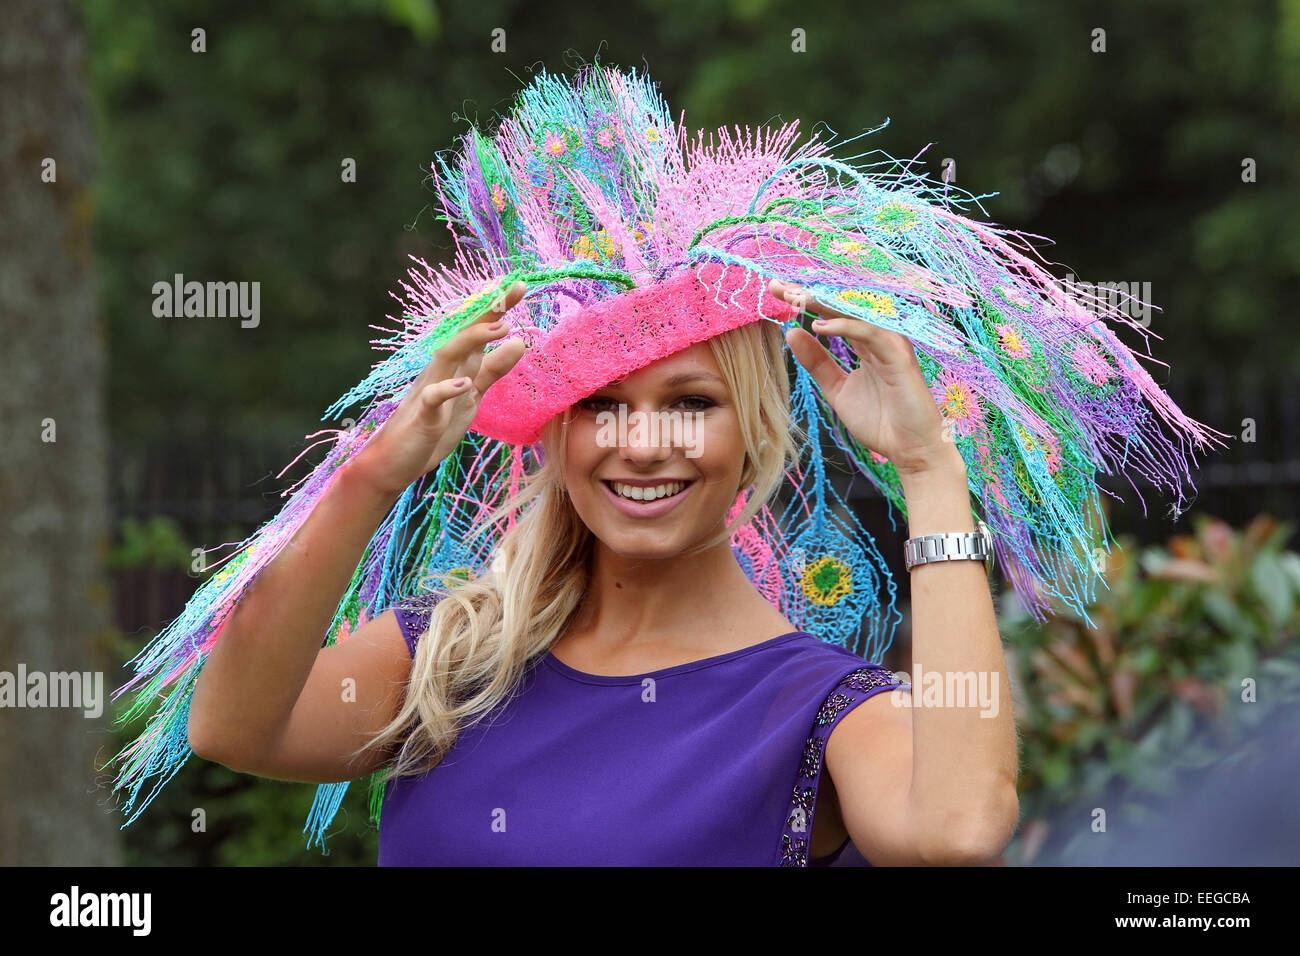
574	674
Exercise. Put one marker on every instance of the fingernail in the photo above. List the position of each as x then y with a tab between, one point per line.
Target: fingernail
819	322
460	382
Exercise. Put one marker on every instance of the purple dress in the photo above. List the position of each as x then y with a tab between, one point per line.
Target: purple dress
711	763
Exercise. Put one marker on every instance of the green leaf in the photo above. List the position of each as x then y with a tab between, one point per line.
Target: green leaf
1220	608
419	16
1273	587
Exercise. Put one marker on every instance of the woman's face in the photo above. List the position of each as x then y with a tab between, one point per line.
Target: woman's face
667	432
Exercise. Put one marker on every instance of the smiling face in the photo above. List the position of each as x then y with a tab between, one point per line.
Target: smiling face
686	479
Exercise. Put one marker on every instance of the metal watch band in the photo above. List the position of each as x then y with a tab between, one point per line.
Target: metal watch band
950	546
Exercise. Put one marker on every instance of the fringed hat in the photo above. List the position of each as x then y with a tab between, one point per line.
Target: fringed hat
636	240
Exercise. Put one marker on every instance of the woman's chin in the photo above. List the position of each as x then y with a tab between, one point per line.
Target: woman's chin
642	546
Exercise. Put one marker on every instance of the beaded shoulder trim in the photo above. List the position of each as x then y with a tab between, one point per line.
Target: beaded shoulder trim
853	689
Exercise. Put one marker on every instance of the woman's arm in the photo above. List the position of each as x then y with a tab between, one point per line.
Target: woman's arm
269	700
963	795
245	696
935	785
919	784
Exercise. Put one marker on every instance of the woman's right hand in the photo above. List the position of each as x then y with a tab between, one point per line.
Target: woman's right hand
439	406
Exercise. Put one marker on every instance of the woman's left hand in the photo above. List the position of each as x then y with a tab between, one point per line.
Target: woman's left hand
884	403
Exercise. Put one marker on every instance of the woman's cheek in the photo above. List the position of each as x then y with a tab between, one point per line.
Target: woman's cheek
716	444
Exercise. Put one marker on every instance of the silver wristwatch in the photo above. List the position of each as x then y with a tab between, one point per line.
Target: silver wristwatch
951	546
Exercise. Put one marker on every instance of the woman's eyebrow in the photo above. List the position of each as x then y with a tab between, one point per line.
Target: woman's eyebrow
681	378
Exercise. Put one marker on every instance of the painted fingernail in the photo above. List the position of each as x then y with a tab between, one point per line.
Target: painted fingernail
460	382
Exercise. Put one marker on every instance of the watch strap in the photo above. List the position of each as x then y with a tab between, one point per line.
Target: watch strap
950	546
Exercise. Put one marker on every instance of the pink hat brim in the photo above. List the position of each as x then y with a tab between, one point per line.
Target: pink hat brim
600	344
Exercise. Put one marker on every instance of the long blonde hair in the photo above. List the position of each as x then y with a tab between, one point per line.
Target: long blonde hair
483	632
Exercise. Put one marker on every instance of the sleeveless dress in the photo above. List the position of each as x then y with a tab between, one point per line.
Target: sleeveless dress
712	763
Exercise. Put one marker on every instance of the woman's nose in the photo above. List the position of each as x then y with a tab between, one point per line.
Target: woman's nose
649	439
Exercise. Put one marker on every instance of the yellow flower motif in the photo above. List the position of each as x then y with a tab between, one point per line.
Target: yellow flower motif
896	218
1027	486
827	581
1011	341
958	402
555	145
1050	450
876	301
652	134
586	246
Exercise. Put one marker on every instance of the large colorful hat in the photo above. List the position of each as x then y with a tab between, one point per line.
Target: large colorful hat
636	240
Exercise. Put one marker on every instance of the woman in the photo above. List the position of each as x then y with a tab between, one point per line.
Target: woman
624	594
602	675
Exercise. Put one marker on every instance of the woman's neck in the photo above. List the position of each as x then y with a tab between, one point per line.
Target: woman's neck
695	605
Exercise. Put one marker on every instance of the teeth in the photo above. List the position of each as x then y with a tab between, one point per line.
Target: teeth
647	494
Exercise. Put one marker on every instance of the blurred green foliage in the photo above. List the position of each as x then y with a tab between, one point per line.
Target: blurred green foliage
1195	648
156	542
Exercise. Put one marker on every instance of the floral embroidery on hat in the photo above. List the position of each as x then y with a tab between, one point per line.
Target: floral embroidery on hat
827	580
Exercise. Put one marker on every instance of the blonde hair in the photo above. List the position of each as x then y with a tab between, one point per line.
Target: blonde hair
483	632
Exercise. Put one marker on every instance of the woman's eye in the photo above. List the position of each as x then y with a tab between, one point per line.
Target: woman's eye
697	403
694	403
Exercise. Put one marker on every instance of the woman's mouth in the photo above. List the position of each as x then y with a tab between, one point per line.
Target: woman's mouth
640	501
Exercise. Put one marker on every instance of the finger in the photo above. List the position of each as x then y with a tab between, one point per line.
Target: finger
503	303
499	362
864	337
800	297
470	340
818	362
432	396
860	335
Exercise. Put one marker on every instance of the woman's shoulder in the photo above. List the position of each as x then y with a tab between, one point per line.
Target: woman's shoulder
816	669
811	648
413	613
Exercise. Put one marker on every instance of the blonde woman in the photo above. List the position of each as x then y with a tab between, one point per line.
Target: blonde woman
618	673
615	691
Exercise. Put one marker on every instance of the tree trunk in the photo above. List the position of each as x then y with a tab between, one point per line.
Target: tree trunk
54	598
